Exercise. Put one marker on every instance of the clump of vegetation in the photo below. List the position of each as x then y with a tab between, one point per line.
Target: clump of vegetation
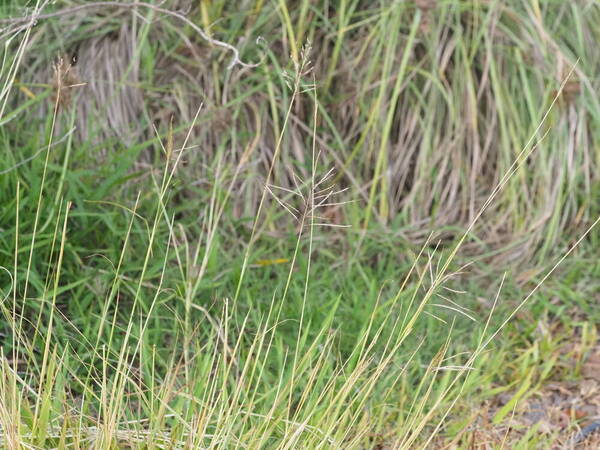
292	224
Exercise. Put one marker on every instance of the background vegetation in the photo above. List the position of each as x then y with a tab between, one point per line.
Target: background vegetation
309	224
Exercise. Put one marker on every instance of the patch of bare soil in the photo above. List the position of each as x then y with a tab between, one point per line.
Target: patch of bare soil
561	414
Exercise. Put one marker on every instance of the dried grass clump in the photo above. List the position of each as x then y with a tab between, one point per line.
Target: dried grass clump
112	72
424	103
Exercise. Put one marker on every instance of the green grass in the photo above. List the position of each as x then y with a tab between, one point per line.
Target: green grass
158	292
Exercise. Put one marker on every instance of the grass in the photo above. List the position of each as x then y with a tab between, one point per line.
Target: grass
309	253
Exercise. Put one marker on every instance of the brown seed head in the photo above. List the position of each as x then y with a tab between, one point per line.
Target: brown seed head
64	80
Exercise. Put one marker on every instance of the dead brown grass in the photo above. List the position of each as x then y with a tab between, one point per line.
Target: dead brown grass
422	156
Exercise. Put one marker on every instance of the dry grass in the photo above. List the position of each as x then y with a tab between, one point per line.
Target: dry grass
473	119
420	122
